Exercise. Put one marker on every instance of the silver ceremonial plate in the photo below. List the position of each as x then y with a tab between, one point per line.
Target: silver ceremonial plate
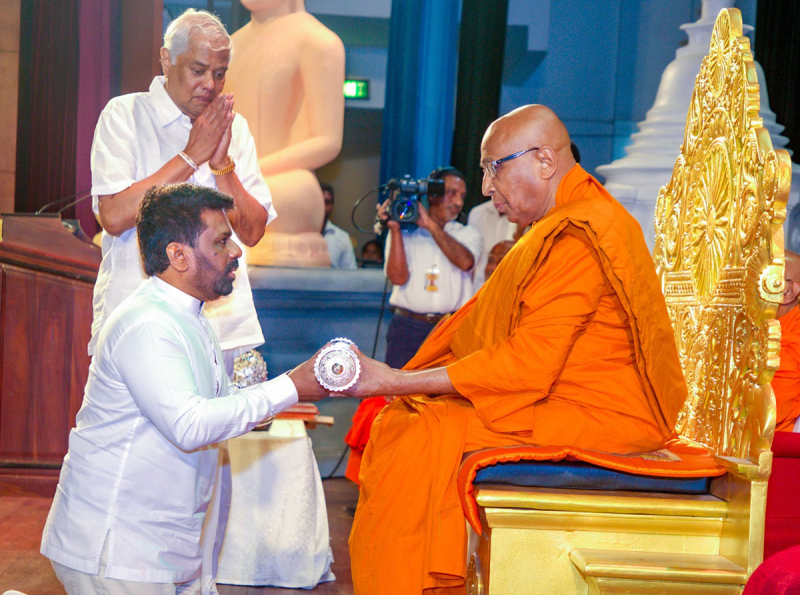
337	367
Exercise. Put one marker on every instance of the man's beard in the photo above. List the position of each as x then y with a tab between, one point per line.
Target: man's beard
212	282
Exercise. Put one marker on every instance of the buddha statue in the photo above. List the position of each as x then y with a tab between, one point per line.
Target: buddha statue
286	76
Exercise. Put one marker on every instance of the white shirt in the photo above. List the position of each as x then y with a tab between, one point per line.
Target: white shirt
135	136
340	247
435	285
494	228
142	457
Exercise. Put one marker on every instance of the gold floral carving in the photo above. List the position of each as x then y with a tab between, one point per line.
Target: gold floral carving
719	252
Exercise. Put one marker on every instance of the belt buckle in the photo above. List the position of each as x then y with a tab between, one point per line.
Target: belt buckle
431	318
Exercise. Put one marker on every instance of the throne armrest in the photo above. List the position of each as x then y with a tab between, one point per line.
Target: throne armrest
746	469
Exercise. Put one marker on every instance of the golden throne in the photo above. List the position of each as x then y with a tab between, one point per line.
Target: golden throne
719	255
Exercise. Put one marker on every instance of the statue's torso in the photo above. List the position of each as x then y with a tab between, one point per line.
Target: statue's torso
266	79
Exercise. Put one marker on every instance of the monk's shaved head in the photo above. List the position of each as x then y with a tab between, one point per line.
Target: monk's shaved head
791	290
534	126
524	188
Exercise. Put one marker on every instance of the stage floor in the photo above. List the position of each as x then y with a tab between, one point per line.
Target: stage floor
24	569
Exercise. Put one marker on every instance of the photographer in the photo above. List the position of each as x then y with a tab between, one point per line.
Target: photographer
429	266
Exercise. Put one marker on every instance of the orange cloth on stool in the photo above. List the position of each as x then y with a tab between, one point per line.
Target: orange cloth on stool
568	343
358	435
786	382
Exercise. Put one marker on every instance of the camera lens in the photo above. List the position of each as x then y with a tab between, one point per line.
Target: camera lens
405	209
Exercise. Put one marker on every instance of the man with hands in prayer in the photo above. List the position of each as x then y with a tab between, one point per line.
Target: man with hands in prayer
182	129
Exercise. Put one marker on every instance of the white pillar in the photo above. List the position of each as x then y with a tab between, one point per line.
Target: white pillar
635	179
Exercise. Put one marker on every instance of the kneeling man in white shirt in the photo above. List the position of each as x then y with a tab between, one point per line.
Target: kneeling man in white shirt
138	477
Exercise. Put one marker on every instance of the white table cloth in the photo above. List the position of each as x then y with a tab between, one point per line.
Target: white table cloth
277	531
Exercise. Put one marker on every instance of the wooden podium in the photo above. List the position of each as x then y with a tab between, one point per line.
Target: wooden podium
47	277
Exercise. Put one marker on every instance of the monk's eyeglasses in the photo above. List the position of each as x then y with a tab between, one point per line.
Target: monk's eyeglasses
491	167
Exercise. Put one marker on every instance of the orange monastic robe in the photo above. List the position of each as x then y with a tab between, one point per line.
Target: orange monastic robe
568	343
786	382
357	437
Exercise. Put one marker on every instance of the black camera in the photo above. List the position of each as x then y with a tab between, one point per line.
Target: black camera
405	197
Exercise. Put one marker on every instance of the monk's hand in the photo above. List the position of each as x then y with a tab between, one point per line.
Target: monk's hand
376	378
308	389
208	129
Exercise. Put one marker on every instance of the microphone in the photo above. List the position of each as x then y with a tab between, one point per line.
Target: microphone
74	202
62	199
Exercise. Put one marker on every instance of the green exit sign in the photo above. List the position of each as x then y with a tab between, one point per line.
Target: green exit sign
356	89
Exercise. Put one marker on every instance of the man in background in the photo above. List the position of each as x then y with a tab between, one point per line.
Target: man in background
430	267
340	244
496	254
371	254
494	228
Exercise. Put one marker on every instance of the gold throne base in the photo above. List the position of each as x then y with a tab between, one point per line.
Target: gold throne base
540	541
306	250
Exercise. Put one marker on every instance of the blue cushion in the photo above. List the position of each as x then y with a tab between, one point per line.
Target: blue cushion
583	476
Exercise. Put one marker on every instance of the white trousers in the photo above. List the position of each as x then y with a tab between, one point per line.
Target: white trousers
80	583
216	520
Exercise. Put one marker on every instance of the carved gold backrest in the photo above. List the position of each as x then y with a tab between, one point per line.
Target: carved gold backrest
719	252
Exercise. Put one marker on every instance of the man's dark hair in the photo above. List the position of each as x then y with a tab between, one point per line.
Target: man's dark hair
172	213
440	173
576	153
375	243
327	188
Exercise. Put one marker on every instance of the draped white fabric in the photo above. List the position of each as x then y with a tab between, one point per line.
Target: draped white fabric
277	531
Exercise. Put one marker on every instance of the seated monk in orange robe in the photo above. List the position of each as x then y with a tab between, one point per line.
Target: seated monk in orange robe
357	437
568	343
786	382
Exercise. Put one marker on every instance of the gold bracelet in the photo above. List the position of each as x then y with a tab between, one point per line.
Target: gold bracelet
225	170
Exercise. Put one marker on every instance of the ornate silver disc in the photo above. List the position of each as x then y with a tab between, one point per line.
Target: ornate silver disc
337	367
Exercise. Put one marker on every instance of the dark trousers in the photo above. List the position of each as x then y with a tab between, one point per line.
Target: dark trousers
403	339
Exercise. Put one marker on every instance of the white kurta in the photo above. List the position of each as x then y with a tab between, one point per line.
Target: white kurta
451	287
135	136
142	458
